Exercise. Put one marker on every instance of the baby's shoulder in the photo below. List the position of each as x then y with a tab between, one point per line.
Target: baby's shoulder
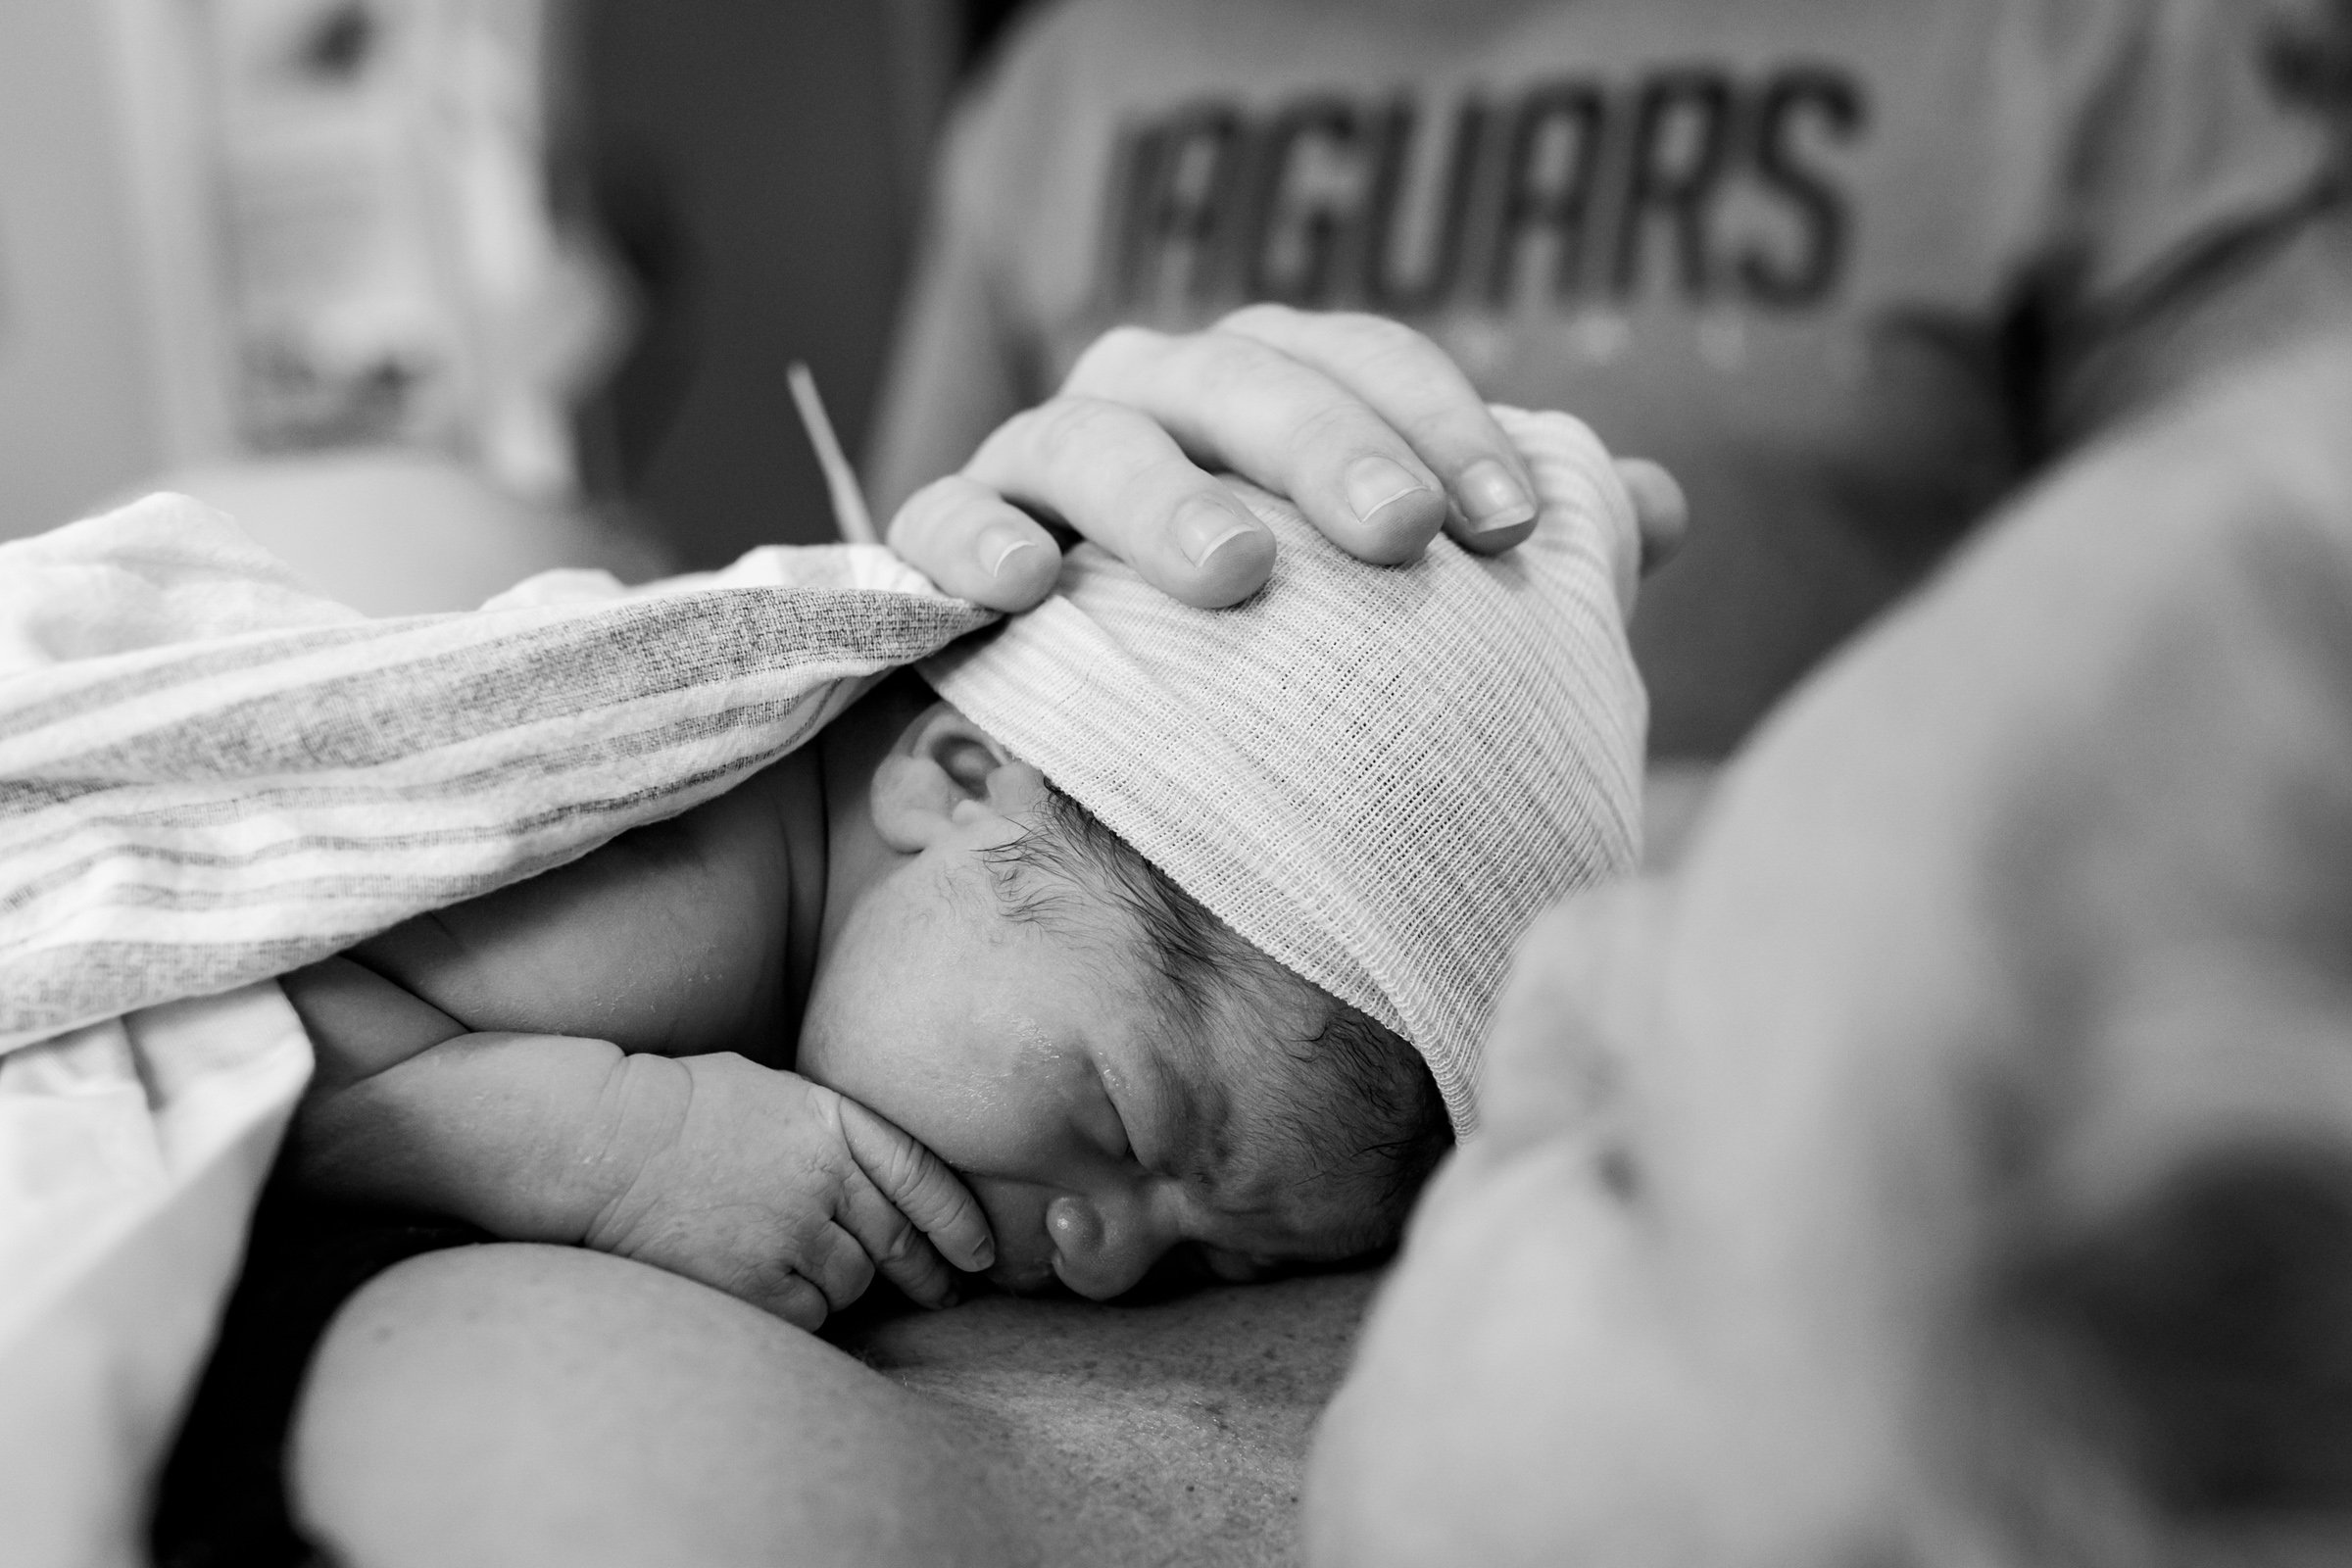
671	938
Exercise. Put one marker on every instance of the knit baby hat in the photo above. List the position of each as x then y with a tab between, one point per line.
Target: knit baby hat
1377	775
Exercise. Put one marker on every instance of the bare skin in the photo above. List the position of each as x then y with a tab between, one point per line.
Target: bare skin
1366	424
519	1403
516	1404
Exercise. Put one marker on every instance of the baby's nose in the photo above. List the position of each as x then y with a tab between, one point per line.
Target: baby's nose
1099	1250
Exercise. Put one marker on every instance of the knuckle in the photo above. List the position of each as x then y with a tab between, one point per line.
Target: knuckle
760	1277
1380	332
899	1247
769	1280
898	1171
1392	348
1241	372
1143	483
1098	446
1340	422
1068	427
1217	368
892	1161
847	1279
1263	317
920	514
1122	346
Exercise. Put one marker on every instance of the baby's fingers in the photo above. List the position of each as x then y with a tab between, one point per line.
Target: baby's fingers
802	1281
919	1186
782	1293
898	1252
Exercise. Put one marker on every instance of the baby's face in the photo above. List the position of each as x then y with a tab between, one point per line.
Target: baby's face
1030	1055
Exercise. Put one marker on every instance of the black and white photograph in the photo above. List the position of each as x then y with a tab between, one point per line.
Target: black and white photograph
1175	783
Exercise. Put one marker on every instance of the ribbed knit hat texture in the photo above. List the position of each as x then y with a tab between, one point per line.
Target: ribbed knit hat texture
1377	775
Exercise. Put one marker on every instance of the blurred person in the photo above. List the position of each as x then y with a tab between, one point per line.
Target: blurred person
1852	270
1952	1163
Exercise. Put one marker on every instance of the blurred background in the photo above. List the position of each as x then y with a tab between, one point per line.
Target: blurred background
493	284
515	280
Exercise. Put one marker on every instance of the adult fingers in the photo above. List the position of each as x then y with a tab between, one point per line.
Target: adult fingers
919	1183
975	544
1417	390
1660	509
1111	473
1234	401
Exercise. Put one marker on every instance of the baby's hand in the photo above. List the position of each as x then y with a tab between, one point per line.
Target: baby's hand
781	1191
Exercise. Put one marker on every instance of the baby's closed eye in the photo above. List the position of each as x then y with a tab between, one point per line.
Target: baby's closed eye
1102	1122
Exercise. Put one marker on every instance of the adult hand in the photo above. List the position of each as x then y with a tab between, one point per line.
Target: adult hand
1365	424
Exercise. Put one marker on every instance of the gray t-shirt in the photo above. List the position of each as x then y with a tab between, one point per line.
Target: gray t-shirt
1848	266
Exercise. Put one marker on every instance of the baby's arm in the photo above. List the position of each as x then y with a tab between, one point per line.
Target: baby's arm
749	1179
672	938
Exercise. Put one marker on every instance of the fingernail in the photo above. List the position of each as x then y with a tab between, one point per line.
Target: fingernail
984	1257
1377	484
1204	527
996	549
1492	499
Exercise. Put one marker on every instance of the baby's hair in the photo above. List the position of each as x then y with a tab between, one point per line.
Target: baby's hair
1365	1106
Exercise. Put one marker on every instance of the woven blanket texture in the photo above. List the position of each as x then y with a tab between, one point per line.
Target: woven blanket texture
1379	776
208	775
211	775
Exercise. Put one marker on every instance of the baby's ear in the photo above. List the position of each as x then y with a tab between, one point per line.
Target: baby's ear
940	773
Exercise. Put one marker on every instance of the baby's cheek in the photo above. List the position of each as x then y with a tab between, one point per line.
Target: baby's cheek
826	1053
867	1055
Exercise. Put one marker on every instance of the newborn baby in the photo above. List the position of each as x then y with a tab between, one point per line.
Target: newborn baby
1124	927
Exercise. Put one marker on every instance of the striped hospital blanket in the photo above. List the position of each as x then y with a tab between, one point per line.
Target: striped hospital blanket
209	776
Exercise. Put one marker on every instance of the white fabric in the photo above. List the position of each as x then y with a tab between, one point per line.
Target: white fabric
210	774
1379	776
1782	246
129	1156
